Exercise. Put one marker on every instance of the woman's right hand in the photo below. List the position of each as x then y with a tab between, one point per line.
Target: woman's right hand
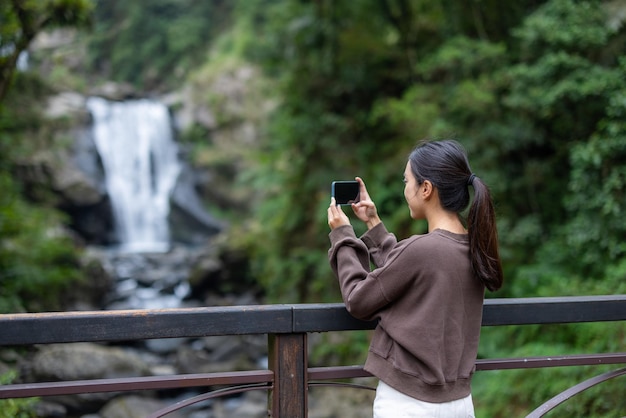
365	209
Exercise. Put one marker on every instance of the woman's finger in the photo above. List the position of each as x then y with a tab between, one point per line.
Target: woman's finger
363	195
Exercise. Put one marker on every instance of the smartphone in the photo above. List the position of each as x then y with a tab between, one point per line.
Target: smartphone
345	192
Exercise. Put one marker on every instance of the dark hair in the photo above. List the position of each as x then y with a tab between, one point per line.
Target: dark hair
445	165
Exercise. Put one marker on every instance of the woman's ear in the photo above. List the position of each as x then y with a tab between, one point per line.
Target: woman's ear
426	189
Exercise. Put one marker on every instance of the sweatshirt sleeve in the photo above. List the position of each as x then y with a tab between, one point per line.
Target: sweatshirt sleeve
349	259
379	242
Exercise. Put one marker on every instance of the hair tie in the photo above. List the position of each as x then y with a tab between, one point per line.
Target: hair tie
471	178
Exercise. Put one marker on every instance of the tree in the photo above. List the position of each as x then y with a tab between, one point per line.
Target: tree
22	20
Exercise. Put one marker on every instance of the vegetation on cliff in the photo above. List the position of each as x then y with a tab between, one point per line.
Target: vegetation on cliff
37	260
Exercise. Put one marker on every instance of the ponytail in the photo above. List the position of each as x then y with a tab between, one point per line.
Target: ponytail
483	237
445	164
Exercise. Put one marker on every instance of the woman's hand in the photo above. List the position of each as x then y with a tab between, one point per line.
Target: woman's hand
365	209
336	215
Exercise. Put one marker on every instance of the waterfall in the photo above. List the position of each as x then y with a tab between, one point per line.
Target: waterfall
140	159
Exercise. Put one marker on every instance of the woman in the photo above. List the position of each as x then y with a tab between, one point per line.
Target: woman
427	290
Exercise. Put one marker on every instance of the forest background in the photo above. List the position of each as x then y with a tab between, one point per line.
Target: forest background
535	91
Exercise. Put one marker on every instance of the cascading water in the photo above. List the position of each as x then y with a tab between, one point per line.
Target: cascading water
140	159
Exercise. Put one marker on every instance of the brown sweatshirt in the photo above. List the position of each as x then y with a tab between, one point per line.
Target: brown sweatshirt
428	303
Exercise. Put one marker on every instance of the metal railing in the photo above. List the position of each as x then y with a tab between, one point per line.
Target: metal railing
288	376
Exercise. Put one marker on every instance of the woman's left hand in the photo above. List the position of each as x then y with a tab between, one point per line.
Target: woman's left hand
336	215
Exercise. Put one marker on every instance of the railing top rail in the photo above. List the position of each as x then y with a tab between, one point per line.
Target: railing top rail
554	310
139	324
121	325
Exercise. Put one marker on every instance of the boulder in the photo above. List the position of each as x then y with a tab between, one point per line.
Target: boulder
90	293
82	361
134	406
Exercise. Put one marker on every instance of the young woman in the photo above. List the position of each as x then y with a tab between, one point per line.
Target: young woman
427	290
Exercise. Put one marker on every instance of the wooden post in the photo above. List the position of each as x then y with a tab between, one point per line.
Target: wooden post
288	361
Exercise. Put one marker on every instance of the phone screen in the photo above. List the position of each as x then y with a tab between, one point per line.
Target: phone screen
345	192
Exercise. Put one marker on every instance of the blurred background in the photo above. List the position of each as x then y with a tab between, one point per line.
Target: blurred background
173	153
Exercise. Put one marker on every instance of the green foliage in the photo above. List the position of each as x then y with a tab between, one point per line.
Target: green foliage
517	392
521	391
538	101
340	348
153	44
328	85
565	25
38	260
598	165
556	96
519	101
16	408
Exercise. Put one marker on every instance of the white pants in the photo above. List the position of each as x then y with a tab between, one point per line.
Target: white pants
389	403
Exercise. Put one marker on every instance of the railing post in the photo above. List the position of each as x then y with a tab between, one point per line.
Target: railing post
288	361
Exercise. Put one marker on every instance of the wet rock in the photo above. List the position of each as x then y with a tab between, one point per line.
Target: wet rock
134	406
82	361
189	360
250	405
46	409
165	345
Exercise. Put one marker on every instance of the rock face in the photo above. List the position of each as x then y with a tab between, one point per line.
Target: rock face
76	175
85	199
190	222
78	189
